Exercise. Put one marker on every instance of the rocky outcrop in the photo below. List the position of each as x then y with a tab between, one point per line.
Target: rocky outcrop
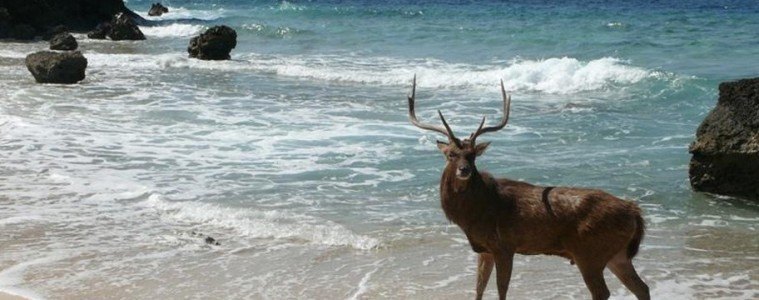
157	9
5	23
23	31
100	32
53	31
56	67
214	44
63	41
124	28
726	151
77	15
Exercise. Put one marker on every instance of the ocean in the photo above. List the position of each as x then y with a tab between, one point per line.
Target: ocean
297	155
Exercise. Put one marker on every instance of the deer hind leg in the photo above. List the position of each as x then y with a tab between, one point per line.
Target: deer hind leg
484	268
503	264
623	268
593	275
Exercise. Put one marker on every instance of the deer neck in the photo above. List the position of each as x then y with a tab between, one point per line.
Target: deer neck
463	200
457	186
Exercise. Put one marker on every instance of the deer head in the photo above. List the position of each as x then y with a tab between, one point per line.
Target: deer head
460	154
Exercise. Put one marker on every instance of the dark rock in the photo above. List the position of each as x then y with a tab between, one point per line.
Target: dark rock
157	9
23	32
77	15
63	41
53	31
100	32
5	23
124	28
726	151
214	44
211	241
56	67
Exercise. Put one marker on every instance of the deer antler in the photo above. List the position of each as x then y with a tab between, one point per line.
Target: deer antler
412	116
506	110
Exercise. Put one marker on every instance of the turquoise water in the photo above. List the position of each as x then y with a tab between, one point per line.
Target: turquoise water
297	155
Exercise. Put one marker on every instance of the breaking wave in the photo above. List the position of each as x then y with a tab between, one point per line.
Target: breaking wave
263	224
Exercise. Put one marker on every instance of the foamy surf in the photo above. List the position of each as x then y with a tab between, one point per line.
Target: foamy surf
554	75
181	13
172	30
262	224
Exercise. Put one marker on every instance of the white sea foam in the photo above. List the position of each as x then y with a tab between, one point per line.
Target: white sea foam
177	13
12	277
12	54
263	224
172	30
554	75
32	218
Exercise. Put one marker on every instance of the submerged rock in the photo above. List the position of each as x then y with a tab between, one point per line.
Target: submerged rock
726	151
211	241
157	9
56	67
206	238
100	32
214	44
124	28
63	41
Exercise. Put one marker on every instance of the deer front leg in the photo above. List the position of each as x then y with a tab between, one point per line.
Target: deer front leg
484	268
503	263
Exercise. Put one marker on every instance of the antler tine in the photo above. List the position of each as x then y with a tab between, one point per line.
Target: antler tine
472	136
448	128
504	121
412	117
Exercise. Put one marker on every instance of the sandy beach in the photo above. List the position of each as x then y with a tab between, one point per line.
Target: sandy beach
7	296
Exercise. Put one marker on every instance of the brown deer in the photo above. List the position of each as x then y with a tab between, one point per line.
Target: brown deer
501	217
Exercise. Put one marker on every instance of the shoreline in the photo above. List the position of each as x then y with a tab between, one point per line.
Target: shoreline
8	296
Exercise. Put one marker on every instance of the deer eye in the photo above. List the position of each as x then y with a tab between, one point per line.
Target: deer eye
452	155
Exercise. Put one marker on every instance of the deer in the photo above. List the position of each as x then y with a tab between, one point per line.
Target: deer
502	217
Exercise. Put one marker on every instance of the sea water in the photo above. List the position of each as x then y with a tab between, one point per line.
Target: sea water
298	157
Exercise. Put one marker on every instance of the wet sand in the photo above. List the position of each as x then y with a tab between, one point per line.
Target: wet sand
6	296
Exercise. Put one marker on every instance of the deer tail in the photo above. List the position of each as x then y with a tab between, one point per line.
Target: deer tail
640	230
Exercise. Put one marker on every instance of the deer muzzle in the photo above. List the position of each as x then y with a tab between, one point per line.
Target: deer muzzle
463	172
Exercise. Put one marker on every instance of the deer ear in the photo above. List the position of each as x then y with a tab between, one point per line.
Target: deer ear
480	148
443	146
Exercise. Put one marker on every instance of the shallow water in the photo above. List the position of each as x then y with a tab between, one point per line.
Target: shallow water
298	157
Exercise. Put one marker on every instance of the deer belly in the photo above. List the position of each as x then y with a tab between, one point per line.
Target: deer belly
541	247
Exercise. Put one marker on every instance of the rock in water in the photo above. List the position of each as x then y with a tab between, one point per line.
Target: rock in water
211	241
77	15
726	151
56	67
100	32
157	9
5	23
63	41
214	44
53	31
124	28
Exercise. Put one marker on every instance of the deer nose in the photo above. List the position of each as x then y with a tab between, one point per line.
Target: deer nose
465	170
